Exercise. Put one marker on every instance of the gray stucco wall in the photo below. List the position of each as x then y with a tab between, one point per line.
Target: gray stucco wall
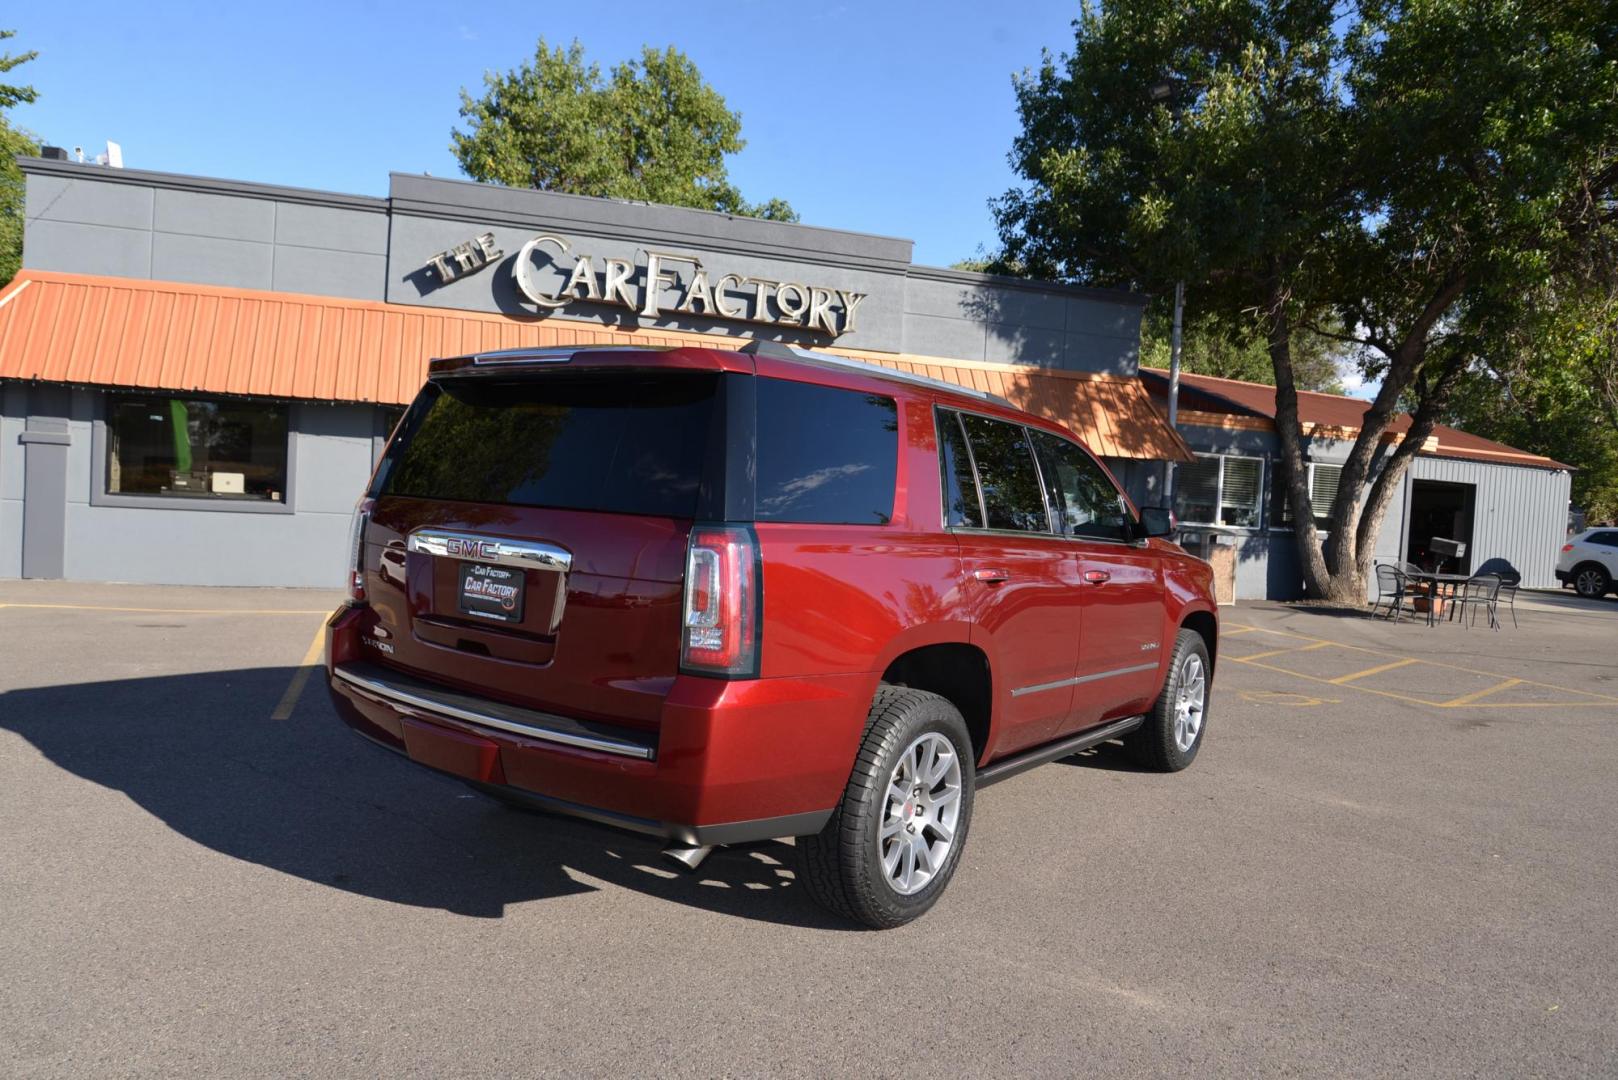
185	546
12	413
130	223
133	223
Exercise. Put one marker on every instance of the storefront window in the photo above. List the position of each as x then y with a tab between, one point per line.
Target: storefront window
1322	483
1220	490
196	448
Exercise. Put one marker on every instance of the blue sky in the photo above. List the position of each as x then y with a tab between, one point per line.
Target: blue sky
892	118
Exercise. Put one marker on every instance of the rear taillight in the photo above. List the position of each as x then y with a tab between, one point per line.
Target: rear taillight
719	629
356	552
1566	548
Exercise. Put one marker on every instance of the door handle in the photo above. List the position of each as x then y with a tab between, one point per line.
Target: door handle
991	576
1097	577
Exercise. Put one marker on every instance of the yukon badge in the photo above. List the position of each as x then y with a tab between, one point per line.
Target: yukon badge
1149	646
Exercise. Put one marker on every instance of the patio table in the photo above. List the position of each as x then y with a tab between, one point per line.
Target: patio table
1441	591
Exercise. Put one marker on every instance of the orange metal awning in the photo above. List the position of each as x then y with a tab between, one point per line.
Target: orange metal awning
161	335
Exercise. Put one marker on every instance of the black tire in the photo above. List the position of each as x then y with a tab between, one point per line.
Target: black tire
1591	580
841	867
1154	744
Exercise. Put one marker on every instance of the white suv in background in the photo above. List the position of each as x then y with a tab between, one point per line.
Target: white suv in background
1589	562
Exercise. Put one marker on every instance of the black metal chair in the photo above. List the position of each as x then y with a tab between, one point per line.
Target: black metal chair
1482	591
1508	593
1393	586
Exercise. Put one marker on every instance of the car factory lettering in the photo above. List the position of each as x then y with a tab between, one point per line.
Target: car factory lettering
734	297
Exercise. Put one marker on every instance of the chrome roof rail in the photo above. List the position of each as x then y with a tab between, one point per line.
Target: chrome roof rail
790	352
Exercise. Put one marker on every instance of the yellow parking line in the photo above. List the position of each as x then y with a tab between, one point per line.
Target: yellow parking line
1591	698
171	611
300	678
1351	686
1282	652
1468	699
1341	679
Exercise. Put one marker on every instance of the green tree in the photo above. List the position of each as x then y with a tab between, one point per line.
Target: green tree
651	130
1383	174
1547	385
13	141
1211	344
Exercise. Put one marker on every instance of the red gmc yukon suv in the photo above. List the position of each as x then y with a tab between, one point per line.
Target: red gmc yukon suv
720	597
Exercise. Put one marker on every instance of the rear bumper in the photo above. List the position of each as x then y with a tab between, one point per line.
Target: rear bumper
1563	577
730	761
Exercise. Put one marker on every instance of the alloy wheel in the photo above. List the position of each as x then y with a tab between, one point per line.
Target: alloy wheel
1589	583
1190	701
923	811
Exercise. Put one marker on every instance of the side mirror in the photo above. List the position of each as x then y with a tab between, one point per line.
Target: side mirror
1156	521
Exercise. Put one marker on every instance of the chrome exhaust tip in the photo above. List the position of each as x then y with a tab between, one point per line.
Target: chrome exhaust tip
688	857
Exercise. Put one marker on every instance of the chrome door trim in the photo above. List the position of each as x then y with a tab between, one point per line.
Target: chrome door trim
521	554
1079	680
416	704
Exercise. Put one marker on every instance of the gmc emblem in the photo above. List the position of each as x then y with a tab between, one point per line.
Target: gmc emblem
471	549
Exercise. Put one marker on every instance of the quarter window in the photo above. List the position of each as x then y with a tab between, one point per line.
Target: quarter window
825	455
197	448
1086	502
1006	475
1220	489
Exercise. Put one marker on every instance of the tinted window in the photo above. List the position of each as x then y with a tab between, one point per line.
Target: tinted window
1605	539
194	448
960	486
1086	502
825	455
631	445
1006	475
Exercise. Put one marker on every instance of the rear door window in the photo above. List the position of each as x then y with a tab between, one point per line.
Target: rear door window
632	445
1086	502
1006	475
825	455
961	508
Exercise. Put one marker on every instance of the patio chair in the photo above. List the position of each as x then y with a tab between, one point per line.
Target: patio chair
1482	591
1393	586
1508	593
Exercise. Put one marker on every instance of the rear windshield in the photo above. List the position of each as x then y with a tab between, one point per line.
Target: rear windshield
630	445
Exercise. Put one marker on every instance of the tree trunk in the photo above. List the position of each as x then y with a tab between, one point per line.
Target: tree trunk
1294	473
1387	481
1350	544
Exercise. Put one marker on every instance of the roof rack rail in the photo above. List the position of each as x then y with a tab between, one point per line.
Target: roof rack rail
779	351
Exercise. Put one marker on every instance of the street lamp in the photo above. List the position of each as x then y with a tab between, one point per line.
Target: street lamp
1168	90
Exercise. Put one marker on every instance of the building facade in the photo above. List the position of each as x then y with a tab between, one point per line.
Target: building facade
197	375
1509	507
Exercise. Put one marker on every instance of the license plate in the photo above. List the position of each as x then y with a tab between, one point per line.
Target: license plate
491	592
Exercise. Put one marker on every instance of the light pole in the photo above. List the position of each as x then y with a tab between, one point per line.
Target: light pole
1174	382
1168	90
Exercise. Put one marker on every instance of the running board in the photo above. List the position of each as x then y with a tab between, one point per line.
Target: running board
1006	768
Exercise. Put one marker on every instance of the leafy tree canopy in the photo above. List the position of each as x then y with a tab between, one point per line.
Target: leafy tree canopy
1230	349
13	141
650	130
1392	172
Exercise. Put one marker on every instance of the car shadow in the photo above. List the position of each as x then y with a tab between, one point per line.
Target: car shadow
309	798
1111	756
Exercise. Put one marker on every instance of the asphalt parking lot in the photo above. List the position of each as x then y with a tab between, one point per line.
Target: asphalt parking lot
1394	856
